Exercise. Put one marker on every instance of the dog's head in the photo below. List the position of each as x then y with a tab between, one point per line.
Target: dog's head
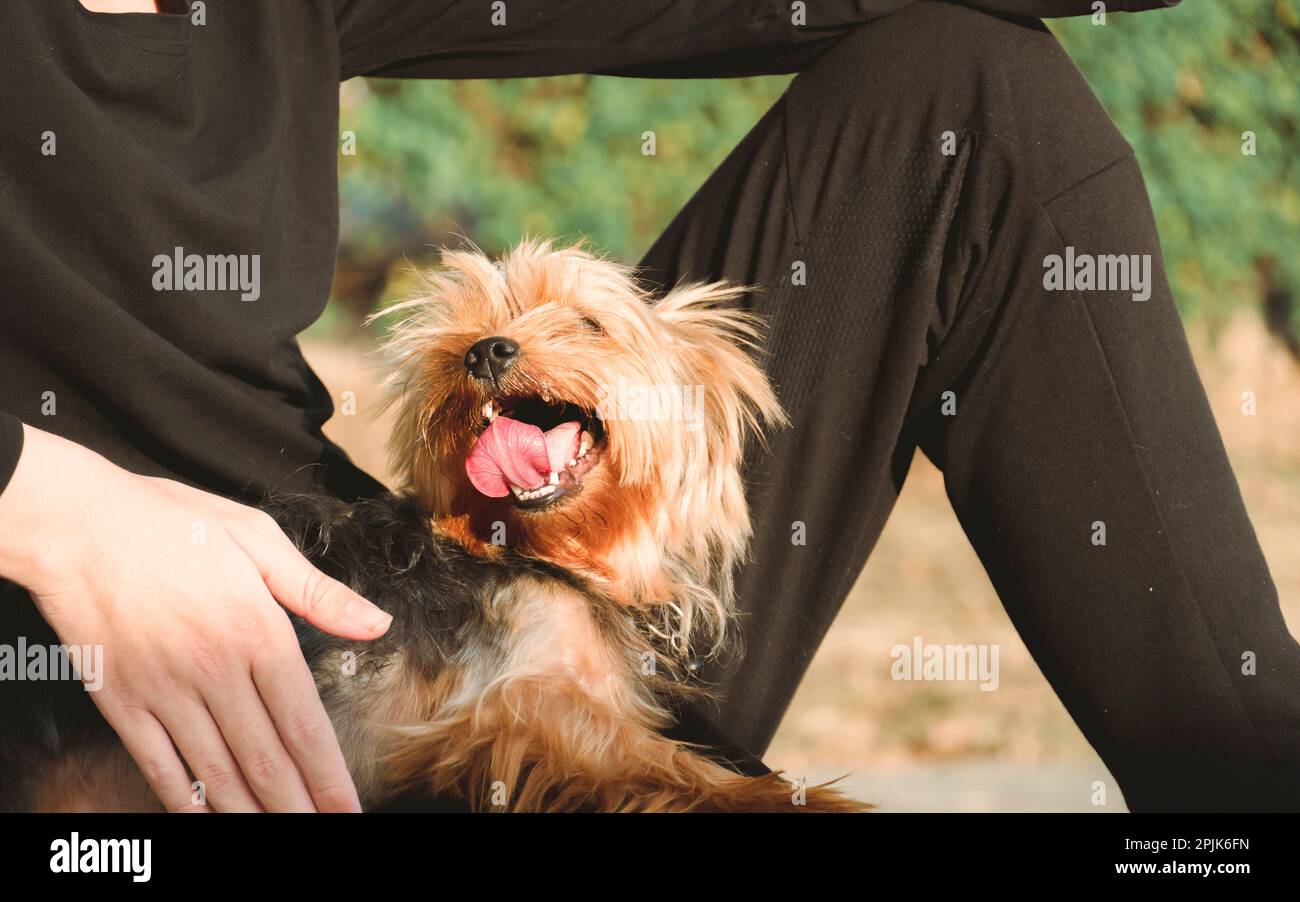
549	403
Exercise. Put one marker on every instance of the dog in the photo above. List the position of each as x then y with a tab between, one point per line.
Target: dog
557	562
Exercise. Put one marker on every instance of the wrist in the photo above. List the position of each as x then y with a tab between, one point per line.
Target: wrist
43	510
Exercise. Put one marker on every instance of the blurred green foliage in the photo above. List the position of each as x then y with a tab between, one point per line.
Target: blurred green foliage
1184	86
494	160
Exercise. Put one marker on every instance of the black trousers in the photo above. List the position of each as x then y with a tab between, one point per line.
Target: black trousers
897	207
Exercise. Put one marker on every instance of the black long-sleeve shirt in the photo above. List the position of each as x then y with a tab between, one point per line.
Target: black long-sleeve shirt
129	139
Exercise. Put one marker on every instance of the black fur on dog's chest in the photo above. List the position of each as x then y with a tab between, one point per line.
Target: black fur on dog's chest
387	550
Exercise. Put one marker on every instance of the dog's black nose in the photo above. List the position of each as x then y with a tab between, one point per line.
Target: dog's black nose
490	358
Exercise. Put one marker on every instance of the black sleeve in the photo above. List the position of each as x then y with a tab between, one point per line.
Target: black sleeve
11	446
1057	9
659	38
668	38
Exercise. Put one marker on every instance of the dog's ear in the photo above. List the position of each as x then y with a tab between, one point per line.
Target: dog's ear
713	345
716	343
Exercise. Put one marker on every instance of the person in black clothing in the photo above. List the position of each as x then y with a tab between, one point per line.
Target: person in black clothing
897	206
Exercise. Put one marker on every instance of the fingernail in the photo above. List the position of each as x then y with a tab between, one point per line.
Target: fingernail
366	615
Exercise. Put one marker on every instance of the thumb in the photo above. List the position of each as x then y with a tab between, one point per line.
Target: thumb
320	600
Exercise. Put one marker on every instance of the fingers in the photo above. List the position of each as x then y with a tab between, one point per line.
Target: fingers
224	690
196	735
290	695
324	602
268	741
267	768
148	744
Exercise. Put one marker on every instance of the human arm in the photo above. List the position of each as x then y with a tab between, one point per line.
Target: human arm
180	588
653	38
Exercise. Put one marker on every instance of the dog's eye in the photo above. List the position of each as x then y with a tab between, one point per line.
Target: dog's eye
593	325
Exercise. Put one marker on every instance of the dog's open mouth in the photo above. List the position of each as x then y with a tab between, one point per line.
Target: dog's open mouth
534	448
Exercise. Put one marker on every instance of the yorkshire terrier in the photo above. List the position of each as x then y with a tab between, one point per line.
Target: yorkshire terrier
559	558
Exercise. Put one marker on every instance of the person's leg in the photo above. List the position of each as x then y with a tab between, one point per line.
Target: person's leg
897	207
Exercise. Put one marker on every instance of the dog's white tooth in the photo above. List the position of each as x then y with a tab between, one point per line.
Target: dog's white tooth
555	478
545	490
519	493
572	461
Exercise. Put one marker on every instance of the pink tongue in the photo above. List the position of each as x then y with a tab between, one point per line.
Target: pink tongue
513	453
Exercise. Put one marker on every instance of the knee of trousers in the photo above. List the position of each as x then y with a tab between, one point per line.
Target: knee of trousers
932	73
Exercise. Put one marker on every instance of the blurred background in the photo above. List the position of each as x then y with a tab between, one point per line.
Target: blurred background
436	163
